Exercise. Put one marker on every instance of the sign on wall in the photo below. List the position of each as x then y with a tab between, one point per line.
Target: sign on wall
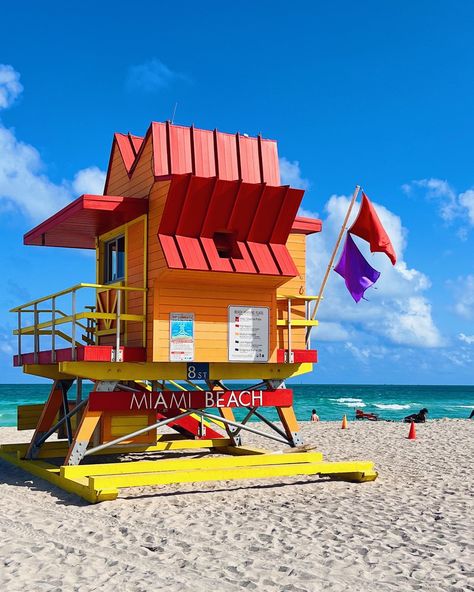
248	333
181	337
197	371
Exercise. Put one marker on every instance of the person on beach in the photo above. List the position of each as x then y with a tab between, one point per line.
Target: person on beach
419	417
472	414
314	415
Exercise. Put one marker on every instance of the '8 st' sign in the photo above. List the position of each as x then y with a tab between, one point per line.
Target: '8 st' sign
197	371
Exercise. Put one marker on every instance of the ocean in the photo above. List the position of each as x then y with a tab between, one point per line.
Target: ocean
331	401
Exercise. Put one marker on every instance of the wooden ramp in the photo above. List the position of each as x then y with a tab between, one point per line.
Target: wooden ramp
101	482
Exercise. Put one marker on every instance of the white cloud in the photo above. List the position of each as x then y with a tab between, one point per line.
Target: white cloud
290	174
7	342
151	76
397	311
461	357
5	347
466	200
10	86
463	288
439	190
469	339
452	205
331	331
412	324
90	180
24	184
364	354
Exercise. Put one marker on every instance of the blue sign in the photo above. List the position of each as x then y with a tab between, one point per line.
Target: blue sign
198	371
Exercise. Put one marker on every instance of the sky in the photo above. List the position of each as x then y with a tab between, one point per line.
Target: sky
378	94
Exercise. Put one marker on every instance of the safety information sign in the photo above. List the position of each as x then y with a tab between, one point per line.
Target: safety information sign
181	337
248	333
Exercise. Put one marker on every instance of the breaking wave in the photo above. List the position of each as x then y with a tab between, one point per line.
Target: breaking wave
350	402
392	406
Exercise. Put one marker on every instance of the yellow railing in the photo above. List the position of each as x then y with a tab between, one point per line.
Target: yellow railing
56	317
289	322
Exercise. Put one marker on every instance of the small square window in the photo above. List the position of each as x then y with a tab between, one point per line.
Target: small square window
226	245
114	252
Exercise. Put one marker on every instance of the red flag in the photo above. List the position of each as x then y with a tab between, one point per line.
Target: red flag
368	226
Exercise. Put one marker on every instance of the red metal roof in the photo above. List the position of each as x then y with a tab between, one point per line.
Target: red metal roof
79	223
253	219
306	225
179	150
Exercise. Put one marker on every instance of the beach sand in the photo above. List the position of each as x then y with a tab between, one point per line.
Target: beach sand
411	529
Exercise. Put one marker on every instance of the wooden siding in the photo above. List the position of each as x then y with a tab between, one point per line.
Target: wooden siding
118	176
296	245
135	232
156	259
209	302
141	179
135	274
113	426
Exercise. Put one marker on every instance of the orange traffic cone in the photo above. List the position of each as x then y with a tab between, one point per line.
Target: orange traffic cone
412	432
344	425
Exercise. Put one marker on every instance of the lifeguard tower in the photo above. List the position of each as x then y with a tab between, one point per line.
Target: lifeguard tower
200	280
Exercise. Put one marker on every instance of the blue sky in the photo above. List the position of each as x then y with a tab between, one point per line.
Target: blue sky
373	93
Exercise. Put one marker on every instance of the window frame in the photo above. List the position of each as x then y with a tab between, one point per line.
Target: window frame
106	268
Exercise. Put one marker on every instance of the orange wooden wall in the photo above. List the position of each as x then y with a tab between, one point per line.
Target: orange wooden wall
133	333
141	179
156	259
136	277
208	295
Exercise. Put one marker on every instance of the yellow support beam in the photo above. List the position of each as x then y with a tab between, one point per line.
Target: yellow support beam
177	370
240	450
46	371
297	323
354	471
51	473
185	464
300	297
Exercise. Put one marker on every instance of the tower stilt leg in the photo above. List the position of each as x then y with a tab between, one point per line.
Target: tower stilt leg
46	420
82	437
290	424
227	413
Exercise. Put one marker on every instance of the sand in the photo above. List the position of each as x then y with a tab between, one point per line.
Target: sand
411	529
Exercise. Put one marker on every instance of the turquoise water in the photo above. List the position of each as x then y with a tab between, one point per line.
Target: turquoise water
331	401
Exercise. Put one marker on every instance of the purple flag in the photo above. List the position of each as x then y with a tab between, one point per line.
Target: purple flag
355	270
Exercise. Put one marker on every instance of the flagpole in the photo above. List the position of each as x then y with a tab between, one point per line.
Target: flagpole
331	260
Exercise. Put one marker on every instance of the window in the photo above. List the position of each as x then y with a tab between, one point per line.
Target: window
226	245
114	252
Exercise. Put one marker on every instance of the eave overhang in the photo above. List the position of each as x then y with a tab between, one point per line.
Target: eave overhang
82	221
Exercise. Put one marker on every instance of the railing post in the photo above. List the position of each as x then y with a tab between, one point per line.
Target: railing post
78	390
290	353
306	316
19	337
73	331
53	329
144	309
36	341
117	336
